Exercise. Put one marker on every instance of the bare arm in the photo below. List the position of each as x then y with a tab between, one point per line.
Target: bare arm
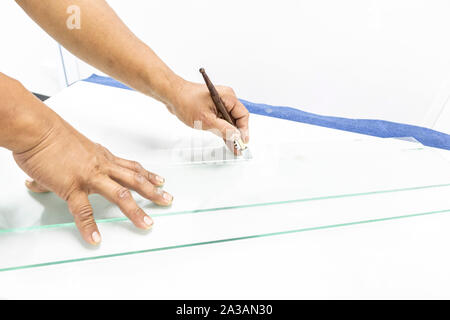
105	42
62	160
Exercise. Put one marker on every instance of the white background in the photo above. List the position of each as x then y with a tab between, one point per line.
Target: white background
402	258
377	59
352	58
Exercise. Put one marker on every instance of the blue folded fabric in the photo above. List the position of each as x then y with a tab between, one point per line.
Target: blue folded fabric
377	128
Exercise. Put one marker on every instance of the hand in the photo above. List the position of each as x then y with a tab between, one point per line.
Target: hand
193	106
73	167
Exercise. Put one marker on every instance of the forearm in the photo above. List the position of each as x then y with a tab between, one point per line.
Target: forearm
24	120
105	42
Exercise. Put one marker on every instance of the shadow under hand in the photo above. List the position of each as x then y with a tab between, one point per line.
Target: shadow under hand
56	212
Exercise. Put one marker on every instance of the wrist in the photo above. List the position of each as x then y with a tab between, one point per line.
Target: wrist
164	85
32	127
24	120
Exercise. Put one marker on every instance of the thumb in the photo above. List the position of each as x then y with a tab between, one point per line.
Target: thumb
32	185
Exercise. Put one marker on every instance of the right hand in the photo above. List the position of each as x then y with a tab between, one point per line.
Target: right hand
73	167
193	103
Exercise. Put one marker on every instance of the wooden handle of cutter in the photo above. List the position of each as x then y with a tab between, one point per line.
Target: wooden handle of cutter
216	99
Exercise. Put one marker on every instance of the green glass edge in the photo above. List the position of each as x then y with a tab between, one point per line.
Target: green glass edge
263	235
70	224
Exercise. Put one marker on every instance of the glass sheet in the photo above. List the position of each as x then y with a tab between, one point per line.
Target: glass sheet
281	188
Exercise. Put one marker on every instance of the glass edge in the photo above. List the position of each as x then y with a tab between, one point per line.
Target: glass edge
261	204
255	236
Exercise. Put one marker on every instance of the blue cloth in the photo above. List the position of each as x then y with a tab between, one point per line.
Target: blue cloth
377	128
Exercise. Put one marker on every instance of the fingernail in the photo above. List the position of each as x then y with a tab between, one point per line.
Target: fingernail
148	221
96	237
159	179
167	197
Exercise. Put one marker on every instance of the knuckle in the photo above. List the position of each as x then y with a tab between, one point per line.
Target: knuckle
224	90
84	212
137	212
94	179
150	176
100	149
132	213
206	119
87	224
136	166
107	153
95	166
84	216
139	178
71	188
203	117
229	90
102	155
122	194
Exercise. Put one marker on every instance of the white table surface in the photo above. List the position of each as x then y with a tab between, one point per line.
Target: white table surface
400	258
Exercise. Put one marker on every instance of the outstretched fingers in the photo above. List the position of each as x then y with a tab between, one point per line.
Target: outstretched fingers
122	197
136	167
136	181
